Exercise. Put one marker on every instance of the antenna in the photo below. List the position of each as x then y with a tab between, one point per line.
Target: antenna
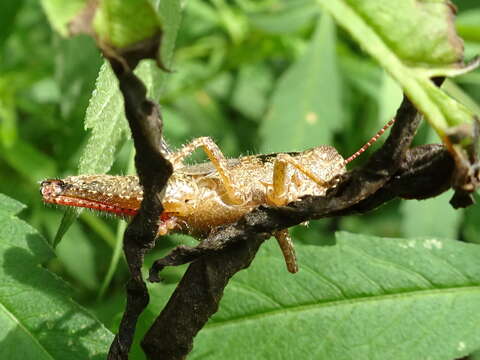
369	143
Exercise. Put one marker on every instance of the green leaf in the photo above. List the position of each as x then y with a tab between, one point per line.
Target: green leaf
251	89
123	23
8	13
468	25
389	98
171	14
363	298
431	217
38	319
60	12
470	229
306	106
105	117
78	257
8	114
452	89
413	41
29	161
285	17
105	113
360	73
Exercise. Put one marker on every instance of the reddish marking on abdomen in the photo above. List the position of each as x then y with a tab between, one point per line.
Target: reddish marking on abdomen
99	206
91	204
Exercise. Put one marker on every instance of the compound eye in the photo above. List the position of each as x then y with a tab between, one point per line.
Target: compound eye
51	188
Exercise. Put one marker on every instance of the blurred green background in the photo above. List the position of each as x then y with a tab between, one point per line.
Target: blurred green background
244	72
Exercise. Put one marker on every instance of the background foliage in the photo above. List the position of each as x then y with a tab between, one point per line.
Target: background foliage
243	71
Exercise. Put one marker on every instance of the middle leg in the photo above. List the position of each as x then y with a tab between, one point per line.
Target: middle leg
278	194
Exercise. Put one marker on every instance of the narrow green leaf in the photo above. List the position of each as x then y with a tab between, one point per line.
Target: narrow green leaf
413	41
363	298
68	218
38	319
306	106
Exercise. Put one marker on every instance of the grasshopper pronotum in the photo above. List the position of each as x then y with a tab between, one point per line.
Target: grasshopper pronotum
200	197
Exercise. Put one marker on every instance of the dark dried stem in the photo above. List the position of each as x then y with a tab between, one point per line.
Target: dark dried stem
153	170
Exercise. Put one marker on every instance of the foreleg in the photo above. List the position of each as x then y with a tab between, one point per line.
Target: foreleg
217	158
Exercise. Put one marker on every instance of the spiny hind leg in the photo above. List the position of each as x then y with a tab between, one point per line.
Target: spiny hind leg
217	158
278	195
288	251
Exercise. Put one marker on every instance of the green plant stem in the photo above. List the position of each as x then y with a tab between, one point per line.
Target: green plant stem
117	251
100	227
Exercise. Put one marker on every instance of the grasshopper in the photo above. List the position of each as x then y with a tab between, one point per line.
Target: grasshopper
200	197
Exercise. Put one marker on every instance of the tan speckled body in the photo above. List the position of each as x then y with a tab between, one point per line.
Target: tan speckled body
200	197
195	195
